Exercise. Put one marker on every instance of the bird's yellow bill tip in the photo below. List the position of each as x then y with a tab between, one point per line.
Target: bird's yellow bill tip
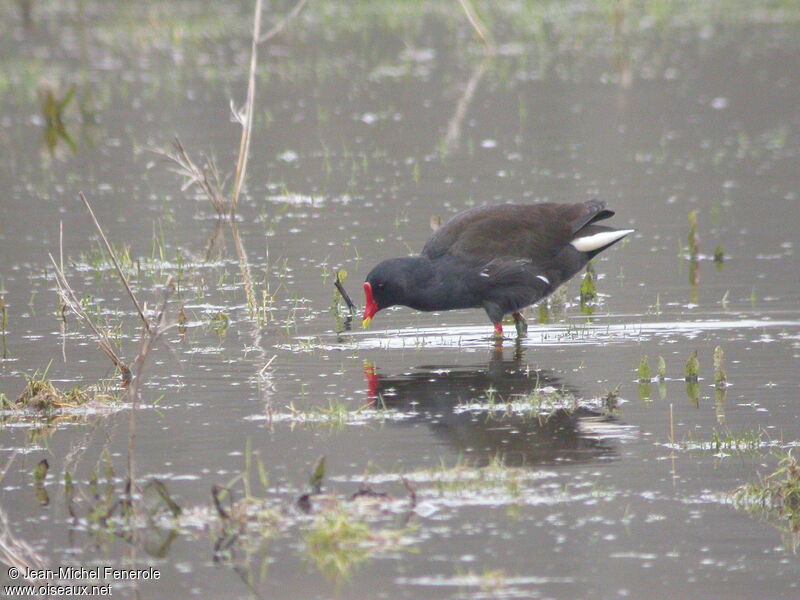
366	323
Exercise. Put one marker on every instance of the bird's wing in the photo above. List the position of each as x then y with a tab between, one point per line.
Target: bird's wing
588	212
514	283
516	230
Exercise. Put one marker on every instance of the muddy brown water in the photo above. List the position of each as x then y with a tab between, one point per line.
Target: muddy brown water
685	107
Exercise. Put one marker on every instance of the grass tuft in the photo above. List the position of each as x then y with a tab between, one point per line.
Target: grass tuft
775	497
693	238
42	396
692	371
644	372
337	542
720	377
661	369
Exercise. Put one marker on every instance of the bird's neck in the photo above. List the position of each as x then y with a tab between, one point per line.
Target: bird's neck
439	284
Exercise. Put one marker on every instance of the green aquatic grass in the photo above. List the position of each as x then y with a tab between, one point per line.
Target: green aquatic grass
692	368
644	372
720	377
219	324
588	291
465	477
337	542
743	441
694	246
661	369
775	498
726	441
337	413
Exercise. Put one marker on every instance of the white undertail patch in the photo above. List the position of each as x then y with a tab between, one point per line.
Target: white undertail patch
543	278
599	240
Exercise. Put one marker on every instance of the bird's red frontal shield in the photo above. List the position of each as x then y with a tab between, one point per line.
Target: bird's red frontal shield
371	306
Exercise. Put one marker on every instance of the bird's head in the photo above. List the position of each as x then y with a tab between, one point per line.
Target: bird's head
390	283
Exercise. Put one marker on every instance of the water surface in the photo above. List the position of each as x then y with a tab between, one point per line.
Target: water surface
371	119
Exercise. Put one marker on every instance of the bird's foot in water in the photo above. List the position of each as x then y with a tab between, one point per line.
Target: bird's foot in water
521	324
498	330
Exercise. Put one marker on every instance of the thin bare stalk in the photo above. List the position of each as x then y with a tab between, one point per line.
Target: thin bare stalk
149	339
265	385
62	307
244	267
246	116
15	552
61	245
113	256
206	178
70	300
453	135
478	26
283	23
213	242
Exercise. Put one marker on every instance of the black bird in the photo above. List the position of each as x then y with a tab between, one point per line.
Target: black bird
500	258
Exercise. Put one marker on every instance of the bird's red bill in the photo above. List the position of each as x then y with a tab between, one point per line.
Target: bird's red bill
371	306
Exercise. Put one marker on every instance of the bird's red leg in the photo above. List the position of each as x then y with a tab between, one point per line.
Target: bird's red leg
498	329
373	384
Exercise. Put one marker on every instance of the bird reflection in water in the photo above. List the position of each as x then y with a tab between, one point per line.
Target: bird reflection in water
521	439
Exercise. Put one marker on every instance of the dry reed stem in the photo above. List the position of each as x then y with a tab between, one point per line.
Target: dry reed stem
70	300
113	257
62	307
478	26
15	552
244	267
206	178
245	118
283	23
149	338
453	135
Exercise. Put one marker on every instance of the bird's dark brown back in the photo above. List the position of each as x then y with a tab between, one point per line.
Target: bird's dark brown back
535	231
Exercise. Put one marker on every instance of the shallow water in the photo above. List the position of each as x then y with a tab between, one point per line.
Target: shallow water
357	144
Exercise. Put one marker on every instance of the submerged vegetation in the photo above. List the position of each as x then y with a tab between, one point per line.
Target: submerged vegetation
338	541
338	532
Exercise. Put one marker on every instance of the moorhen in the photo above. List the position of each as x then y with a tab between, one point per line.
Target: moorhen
500	258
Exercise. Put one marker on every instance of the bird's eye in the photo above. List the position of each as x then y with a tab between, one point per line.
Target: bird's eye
380	286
